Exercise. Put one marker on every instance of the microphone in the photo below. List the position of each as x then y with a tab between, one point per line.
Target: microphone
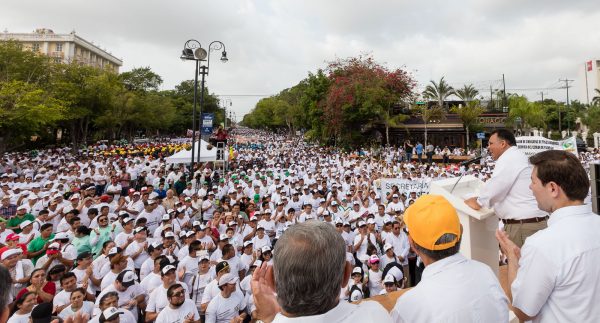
465	163
470	161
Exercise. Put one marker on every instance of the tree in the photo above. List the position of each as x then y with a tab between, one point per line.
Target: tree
361	94
592	118
596	98
438	91
524	113
429	114
25	110
17	64
469	115
141	79
467	93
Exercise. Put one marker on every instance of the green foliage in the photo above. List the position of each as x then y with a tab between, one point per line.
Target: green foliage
438	91
596	98
530	114
592	118
39	96
25	110
469	114
340	105
141	80
467	93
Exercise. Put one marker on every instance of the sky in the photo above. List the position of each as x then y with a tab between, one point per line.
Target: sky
274	44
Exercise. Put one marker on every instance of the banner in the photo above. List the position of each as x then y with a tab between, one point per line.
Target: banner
207	123
531	145
405	186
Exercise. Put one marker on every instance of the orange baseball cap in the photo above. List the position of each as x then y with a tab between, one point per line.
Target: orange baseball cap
429	218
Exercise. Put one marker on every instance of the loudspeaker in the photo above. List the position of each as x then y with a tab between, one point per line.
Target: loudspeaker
595	183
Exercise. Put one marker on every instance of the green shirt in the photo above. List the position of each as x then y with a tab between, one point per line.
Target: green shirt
16	220
38	244
82	244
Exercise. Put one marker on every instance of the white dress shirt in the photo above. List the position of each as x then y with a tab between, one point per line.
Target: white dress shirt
364	312
454	289
507	191
559	268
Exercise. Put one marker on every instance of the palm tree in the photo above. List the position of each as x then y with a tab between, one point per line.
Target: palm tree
531	114
467	93
439	92
469	115
596	99
436	113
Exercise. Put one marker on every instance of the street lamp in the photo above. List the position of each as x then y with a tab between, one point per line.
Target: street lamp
193	51
225	102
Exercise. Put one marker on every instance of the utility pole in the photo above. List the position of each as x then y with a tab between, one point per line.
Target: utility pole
504	102
566	80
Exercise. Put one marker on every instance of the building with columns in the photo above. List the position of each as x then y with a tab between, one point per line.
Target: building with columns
65	48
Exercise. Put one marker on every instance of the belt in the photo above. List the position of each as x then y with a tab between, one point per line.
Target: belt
530	220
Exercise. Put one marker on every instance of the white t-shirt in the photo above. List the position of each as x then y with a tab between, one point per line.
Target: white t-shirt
87	308
133	248
19	318
171	315
222	310
344	312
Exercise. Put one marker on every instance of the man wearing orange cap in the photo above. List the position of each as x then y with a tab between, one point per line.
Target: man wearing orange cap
452	288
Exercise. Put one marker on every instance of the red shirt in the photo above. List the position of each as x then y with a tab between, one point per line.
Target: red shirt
49	288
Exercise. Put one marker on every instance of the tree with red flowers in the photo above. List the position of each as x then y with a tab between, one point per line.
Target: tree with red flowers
360	96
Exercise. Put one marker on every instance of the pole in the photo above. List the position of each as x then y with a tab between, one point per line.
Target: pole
587	92
194	118
504	104
566	80
203	72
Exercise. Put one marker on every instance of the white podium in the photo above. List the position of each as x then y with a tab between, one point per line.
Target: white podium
479	227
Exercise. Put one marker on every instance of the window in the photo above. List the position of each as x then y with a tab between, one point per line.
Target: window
59	47
35	47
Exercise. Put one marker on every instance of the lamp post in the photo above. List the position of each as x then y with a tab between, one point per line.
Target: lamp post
225	102
193	51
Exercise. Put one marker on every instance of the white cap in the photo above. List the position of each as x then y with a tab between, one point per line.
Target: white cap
24	224
371	221
265	249
387	247
61	236
389	278
169	234
111	313
228	279
166	217
223	236
357	270
11	252
166	269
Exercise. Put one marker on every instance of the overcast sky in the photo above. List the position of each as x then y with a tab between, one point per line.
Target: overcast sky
272	45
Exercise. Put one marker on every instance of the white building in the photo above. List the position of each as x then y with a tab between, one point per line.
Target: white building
588	74
65	48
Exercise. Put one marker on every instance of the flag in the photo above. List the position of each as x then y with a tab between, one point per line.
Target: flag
589	66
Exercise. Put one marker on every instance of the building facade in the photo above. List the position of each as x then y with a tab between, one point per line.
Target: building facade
65	48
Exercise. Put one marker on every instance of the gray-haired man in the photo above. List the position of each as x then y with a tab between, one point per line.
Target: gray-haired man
309	269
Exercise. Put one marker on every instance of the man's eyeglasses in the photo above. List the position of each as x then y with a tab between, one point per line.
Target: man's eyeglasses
177	294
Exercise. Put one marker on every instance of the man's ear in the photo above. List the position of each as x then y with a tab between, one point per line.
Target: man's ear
347	273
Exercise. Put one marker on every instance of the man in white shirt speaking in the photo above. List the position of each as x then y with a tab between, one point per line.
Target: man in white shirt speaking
452	288
507	191
554	277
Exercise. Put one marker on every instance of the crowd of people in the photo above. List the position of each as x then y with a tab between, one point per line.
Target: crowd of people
115	233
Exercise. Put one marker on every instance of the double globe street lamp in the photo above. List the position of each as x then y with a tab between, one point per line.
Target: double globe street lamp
193	51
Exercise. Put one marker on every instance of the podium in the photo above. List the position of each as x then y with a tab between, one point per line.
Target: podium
479	227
